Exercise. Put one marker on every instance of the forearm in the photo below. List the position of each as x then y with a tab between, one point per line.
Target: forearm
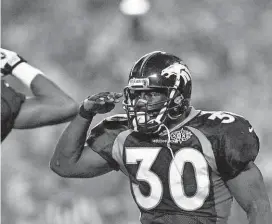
71	143
72	158
38	111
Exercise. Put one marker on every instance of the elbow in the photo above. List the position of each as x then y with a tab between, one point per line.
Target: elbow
66	108
62	172
71	107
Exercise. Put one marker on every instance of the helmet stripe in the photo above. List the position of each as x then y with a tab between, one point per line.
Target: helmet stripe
148	56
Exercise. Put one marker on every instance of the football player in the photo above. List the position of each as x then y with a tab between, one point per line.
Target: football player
184	165
49	105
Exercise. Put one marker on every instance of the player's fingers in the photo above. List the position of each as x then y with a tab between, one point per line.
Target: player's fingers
117	95
98	95
101	100
109	98
106	97
114	97
94	100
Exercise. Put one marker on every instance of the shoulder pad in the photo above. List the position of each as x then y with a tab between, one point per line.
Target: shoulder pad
115	122
239	145
116	117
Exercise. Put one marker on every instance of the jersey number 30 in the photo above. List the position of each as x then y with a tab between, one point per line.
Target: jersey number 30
147	156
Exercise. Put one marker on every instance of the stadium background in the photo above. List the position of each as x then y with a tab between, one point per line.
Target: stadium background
87	46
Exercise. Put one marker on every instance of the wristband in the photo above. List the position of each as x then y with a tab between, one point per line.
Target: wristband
85	114
12	62
26	73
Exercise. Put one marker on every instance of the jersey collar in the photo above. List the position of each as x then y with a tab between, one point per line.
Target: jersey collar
193	113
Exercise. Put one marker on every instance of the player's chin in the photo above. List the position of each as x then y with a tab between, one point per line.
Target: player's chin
150	127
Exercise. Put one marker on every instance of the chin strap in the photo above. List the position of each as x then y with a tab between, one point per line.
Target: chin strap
174	118
182	108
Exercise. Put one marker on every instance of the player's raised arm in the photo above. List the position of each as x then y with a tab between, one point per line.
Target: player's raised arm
49	105
72	158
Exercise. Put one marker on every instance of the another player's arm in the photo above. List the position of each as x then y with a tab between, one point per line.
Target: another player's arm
72	158
50	105
249	190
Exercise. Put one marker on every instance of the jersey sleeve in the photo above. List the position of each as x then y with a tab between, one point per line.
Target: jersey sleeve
239	145
102	137
11	102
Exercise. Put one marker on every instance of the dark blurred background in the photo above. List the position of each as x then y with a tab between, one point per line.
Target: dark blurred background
88	46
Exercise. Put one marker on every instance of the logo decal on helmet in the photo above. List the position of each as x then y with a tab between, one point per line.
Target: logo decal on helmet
178	70
138	82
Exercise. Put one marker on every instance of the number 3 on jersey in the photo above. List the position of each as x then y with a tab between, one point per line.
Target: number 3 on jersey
148	155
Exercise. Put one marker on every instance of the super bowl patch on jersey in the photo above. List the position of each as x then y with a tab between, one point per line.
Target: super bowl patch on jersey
180	136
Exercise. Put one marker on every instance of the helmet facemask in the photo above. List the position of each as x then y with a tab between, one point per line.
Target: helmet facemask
147	117
143	115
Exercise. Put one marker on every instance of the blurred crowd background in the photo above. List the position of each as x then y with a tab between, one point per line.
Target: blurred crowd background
88	46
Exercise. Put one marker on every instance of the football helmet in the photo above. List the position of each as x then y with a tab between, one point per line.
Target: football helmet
160	72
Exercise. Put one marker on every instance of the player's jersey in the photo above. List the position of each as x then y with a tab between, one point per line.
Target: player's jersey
187	185
11	102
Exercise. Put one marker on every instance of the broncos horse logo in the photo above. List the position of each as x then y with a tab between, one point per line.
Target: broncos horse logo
178	70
